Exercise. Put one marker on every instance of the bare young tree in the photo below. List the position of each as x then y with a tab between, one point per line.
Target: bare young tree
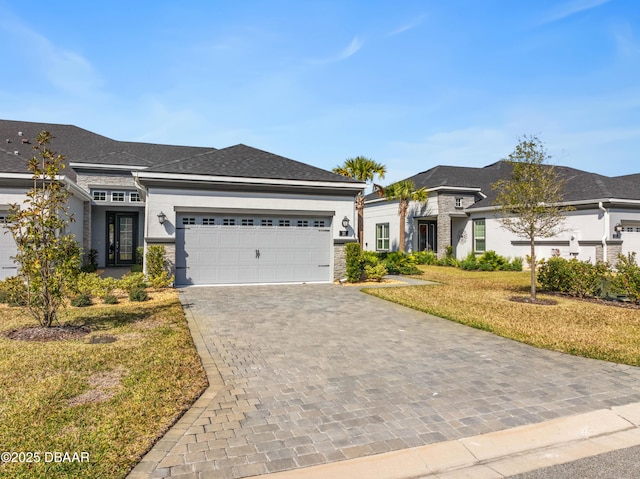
530	201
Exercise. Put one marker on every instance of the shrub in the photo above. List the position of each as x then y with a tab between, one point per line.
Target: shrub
138	294
370	258
140	255
578	278
132	281
400	263
13	291
87	284
375	272
81	300
425	257
136	268
156	264
626	281
91	265
516	264
354	262
110	299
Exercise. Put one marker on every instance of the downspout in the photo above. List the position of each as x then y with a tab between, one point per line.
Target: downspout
606	230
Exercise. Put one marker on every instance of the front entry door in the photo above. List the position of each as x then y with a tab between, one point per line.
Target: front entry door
121	238
427	236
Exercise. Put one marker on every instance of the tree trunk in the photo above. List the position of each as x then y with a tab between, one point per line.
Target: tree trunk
533	269
360	210
403	215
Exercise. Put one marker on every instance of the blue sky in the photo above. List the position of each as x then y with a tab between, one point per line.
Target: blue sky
411	84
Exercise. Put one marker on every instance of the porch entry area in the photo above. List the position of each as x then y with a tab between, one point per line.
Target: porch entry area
428	235
122	234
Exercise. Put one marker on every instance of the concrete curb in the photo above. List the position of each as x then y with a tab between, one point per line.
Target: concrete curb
494	455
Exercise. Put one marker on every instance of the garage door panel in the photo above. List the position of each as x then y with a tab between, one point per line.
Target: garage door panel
220	254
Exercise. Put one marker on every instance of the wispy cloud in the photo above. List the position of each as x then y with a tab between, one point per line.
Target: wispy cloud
567	9
356	44
626	42
65	69
407	26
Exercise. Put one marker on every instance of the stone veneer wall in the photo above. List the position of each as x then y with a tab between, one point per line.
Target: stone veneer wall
85	181
446	206
339	261
613	250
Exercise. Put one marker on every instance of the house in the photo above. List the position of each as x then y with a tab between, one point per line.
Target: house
234	215
460	213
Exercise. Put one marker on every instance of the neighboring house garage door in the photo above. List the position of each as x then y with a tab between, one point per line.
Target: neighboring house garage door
631	238
235	249
7	250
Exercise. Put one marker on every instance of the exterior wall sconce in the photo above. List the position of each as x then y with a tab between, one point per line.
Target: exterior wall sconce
618	228
162	218
345	225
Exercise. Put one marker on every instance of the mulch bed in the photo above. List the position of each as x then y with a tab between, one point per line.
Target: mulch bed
54	333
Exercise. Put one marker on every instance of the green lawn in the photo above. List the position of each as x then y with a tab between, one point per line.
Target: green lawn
110	401
482	300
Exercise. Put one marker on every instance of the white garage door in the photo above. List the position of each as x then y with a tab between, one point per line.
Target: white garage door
238	249
631	238
7	250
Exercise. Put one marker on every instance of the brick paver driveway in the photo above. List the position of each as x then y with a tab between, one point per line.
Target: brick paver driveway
310	374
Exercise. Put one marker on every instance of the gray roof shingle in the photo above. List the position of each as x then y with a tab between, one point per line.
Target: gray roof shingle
82	146
579	185
247	162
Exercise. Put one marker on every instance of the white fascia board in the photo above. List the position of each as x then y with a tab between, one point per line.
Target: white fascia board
594	202
455	188
244	180
101	166
18	176
70	184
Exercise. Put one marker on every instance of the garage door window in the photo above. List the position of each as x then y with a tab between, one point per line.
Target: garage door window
303	224
266	222
188	221
247	222
284	223
208	221
228	222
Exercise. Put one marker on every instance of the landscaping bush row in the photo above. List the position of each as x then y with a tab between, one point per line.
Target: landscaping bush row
584	279
88	285
369	265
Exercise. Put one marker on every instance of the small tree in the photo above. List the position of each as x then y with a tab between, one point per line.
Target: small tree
404	191
530	200
362	169
47	258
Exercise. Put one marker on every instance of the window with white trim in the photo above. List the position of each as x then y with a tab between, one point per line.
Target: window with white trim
99	195
117	196
382	237
134	197
458	202
479	236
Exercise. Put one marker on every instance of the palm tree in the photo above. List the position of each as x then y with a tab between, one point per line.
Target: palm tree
364	169
404	191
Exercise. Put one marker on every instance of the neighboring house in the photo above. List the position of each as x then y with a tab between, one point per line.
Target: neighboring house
235	215
459	212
